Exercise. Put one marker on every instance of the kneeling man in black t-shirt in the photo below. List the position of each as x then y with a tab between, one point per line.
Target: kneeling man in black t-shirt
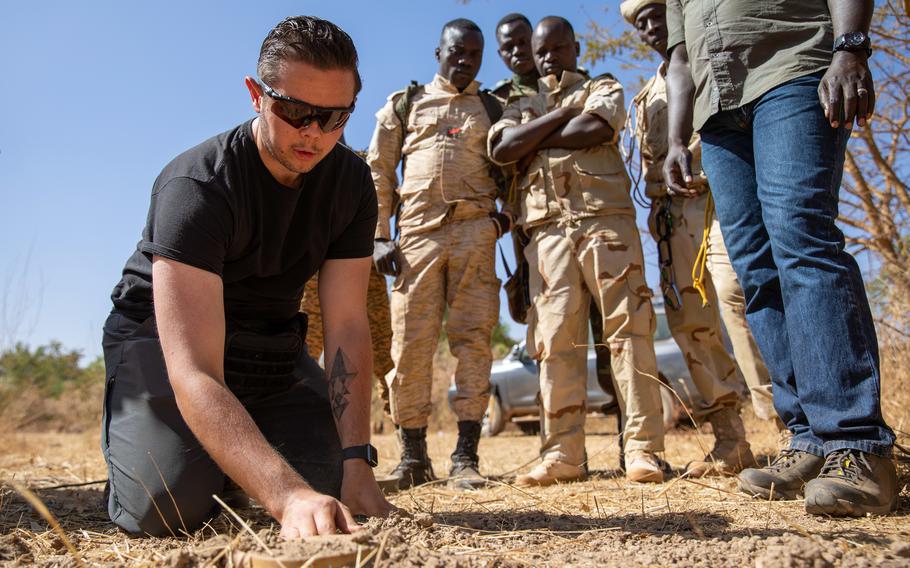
208	377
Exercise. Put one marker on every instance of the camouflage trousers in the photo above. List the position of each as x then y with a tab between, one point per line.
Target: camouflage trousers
452	268
380	326
697	328
570	263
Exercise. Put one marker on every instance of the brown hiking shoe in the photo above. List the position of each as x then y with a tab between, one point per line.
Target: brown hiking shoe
644	467
853	483
550	472
784	478
731	453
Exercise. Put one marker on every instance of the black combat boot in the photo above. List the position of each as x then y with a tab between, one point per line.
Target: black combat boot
415	467
465	472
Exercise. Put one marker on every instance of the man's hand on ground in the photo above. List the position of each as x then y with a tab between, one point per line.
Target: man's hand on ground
847	91
387	257
308	513
678	171
361	493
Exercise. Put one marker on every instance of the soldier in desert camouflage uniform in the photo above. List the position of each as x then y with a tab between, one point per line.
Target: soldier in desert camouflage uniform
449	226
513	34
578	212
678	225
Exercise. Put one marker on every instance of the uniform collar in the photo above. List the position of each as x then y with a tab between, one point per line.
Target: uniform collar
516	80
550	85
444	84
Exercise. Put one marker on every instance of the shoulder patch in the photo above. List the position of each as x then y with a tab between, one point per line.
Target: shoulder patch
394	95
604	76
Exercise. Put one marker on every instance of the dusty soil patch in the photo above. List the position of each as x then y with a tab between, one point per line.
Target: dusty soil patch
604	521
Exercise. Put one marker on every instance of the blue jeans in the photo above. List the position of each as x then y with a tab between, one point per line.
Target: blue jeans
775	167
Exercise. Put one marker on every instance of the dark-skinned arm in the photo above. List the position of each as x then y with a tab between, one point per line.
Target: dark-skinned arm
583	131
847	91
680	100
518	141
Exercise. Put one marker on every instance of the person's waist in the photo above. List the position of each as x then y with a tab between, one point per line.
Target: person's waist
455	212
563	216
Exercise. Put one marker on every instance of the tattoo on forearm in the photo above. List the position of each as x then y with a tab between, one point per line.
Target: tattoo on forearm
339	379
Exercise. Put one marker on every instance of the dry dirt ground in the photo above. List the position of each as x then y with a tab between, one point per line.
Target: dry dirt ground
604	521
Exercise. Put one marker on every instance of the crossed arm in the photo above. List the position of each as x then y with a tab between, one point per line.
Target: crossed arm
564	127
190	315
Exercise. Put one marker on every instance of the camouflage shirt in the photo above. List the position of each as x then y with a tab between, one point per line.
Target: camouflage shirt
565	184
508	90
443	145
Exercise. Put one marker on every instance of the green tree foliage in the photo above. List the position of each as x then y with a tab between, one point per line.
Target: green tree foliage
48	368
607	44
501	342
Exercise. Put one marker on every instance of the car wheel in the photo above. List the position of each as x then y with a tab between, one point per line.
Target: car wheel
529	428
494	419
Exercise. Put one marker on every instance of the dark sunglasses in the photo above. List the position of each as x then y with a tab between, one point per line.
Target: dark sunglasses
300	114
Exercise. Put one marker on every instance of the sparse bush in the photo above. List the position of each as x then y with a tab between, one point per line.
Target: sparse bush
46	389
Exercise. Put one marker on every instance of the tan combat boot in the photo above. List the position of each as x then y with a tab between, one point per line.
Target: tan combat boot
731	453
644	467
549	472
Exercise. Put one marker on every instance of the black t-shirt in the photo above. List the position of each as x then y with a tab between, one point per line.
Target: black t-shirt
217	207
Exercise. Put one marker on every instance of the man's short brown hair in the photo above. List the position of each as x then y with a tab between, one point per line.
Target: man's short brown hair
309	40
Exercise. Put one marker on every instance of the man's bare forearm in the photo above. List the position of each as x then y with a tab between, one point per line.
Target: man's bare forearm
349	371
680	97
235	442
584	131
518	141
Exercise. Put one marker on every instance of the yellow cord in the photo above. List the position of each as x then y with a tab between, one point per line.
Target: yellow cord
513	189
701	260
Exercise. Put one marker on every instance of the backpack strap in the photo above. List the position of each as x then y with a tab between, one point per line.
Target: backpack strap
492	105
402	105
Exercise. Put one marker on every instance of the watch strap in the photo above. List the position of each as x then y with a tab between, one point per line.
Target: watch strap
853	42
366	452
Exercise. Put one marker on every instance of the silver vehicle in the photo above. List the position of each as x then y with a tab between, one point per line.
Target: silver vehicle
515	385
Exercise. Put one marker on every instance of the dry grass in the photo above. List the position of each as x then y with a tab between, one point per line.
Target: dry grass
604	521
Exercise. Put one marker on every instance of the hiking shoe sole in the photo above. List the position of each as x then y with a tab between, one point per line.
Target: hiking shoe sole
844	508
765	493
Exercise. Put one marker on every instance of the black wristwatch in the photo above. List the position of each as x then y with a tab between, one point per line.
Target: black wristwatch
365	452
853	41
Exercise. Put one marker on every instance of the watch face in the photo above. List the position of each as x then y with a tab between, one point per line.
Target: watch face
854	39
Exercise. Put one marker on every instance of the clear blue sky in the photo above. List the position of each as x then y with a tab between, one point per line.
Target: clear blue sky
100	95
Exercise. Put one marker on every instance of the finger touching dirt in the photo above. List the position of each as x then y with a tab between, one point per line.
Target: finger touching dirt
314	514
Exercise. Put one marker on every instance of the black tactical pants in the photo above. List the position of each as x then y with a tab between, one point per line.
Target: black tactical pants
161	479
